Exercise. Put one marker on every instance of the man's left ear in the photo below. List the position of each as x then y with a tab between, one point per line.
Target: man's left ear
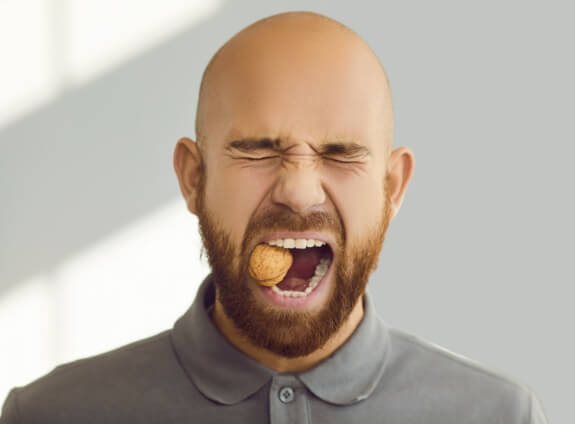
188	167
400	168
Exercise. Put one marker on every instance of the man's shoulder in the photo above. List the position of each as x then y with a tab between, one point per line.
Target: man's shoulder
419	354
439	376
136	373
136	357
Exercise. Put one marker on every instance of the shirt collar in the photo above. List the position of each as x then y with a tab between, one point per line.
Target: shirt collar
353	371
225	375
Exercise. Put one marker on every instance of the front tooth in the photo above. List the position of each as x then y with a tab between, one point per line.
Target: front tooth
300	243
289	243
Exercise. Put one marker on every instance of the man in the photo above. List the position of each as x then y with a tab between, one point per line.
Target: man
293	158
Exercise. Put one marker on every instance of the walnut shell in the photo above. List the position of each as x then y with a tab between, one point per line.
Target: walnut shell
269	264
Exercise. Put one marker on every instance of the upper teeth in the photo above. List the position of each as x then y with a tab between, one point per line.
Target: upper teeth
290	243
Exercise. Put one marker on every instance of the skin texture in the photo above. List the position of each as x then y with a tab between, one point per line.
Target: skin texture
312	87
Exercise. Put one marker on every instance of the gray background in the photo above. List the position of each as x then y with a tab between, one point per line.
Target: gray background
477	260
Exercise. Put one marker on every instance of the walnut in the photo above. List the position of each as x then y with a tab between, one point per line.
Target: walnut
269	264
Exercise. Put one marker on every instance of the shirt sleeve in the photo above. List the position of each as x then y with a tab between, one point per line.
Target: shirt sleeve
10	413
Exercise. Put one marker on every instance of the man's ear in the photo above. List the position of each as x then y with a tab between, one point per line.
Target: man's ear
188	166
400	168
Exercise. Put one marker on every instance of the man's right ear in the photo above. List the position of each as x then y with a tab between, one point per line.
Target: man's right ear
188	166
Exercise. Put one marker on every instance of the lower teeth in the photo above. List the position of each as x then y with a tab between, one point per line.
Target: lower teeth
320	271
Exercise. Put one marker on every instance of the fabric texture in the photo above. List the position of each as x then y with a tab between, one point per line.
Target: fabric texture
191	374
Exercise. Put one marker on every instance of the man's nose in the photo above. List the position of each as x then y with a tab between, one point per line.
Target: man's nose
299	187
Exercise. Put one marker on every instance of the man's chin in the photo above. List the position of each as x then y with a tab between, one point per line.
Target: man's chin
288	326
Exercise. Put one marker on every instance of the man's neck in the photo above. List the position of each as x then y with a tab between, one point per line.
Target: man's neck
281	363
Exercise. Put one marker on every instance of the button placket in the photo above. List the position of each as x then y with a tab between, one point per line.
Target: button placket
288	400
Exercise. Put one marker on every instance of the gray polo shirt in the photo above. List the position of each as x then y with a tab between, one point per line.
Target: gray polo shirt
191	374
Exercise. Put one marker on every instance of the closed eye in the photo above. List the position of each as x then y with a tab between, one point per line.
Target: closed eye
343	160
261	158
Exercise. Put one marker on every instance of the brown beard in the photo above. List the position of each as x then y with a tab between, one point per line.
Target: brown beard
288	333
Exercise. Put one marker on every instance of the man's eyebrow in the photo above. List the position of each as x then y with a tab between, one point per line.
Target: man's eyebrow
343	148
251	144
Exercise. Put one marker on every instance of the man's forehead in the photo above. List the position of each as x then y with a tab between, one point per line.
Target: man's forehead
286	74
296	108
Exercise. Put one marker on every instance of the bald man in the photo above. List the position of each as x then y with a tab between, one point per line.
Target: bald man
294	181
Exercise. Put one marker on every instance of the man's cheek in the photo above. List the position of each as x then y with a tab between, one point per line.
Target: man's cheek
232	206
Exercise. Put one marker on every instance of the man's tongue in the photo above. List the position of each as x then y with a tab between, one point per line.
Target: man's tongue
302	269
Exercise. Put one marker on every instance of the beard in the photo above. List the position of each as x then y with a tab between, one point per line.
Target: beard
288	333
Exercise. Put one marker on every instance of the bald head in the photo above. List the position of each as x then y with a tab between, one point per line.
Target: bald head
295	127
309	70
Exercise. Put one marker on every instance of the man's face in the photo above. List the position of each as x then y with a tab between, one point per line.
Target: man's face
318	174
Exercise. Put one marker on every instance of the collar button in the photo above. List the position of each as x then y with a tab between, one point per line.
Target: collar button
286	394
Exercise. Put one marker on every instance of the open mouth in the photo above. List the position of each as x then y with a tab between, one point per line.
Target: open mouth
311	261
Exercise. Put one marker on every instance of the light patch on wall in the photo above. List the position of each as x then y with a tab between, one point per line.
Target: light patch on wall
104	33
48	46
27	331
133	284
27	79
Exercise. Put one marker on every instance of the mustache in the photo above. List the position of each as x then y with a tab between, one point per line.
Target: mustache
285	220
